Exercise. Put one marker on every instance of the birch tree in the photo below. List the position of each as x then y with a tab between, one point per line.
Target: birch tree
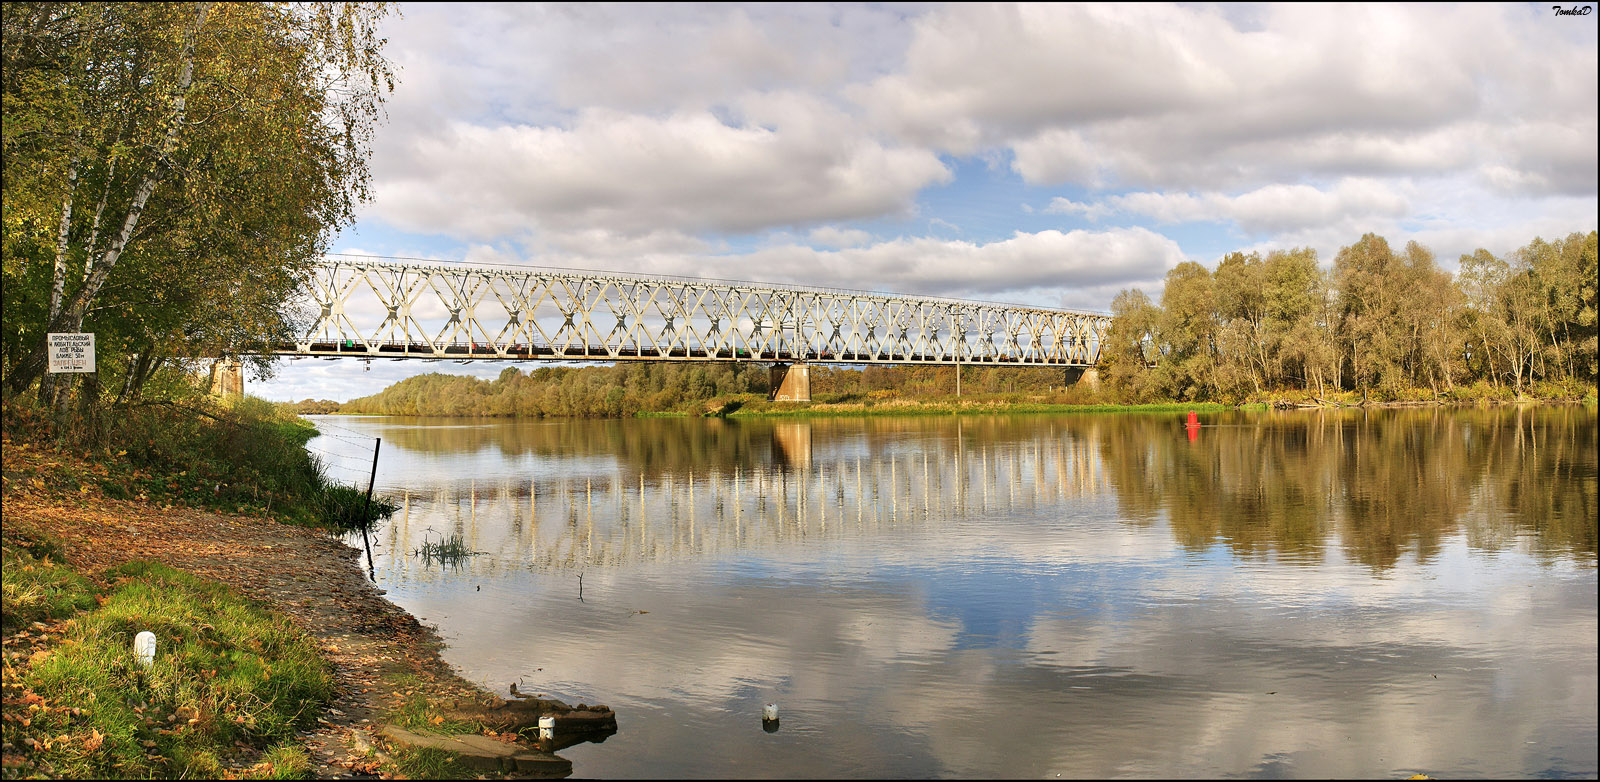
198	157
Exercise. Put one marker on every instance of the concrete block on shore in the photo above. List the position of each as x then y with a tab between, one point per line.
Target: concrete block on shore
482	752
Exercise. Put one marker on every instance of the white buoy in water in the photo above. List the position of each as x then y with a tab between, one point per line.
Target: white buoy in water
144	648
547	727
769	713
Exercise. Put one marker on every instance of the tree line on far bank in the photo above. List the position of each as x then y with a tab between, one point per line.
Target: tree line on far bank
630	388
1380	323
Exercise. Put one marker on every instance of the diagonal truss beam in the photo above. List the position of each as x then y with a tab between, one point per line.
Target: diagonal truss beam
432	311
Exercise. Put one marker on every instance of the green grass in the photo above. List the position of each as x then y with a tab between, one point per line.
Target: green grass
430	763
346	507
419	715
285	761
247	456
35	587
226	673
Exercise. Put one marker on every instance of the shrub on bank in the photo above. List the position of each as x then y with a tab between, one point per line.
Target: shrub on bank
1481	391
1567	389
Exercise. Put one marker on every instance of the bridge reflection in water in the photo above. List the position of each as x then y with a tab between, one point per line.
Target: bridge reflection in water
803	492
1376	487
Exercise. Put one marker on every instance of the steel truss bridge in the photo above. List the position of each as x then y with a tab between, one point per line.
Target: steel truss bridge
380	309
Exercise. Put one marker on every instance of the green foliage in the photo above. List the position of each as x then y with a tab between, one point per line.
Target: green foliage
708	389
315	407
1389	326
171	171
243	457
625	389
1131	346
225	671
1002	405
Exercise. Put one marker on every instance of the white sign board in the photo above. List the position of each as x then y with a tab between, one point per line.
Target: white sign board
71	352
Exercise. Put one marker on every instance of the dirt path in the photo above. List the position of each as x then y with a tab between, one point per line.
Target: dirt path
301	573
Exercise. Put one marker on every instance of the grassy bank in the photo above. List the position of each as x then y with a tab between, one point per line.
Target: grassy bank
243	456
231	682
229	686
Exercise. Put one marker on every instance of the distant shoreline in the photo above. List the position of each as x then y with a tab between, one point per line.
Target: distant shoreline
754	409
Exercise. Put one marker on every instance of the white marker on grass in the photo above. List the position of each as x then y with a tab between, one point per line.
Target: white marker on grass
144	648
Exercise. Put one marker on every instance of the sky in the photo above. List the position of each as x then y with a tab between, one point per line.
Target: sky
1050	155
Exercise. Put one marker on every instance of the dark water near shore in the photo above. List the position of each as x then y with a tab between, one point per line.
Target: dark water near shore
1306	594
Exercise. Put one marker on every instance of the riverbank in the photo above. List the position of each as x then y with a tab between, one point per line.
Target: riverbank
761	408
1066	401
383	666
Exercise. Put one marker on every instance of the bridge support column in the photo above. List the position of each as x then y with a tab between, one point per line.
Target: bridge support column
790	383
227	377
1089	377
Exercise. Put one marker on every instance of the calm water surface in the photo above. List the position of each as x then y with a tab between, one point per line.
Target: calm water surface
1311	594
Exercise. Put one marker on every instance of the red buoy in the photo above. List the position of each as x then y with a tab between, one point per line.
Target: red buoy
1194	420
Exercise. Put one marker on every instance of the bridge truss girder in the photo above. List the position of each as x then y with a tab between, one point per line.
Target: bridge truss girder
398	310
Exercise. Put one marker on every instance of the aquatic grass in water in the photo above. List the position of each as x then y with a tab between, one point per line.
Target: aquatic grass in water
447	551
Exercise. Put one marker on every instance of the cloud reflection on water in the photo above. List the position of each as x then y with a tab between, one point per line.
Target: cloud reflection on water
1089	596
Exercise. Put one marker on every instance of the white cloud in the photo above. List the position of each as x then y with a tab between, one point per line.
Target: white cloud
533	64
833	236
636	174
1270	209
1047	260
1106	95
1066	206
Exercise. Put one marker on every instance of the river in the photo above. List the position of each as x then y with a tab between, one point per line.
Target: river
1294	594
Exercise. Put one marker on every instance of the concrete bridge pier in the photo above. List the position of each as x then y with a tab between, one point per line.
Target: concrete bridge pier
1089	377
227	377
790	383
